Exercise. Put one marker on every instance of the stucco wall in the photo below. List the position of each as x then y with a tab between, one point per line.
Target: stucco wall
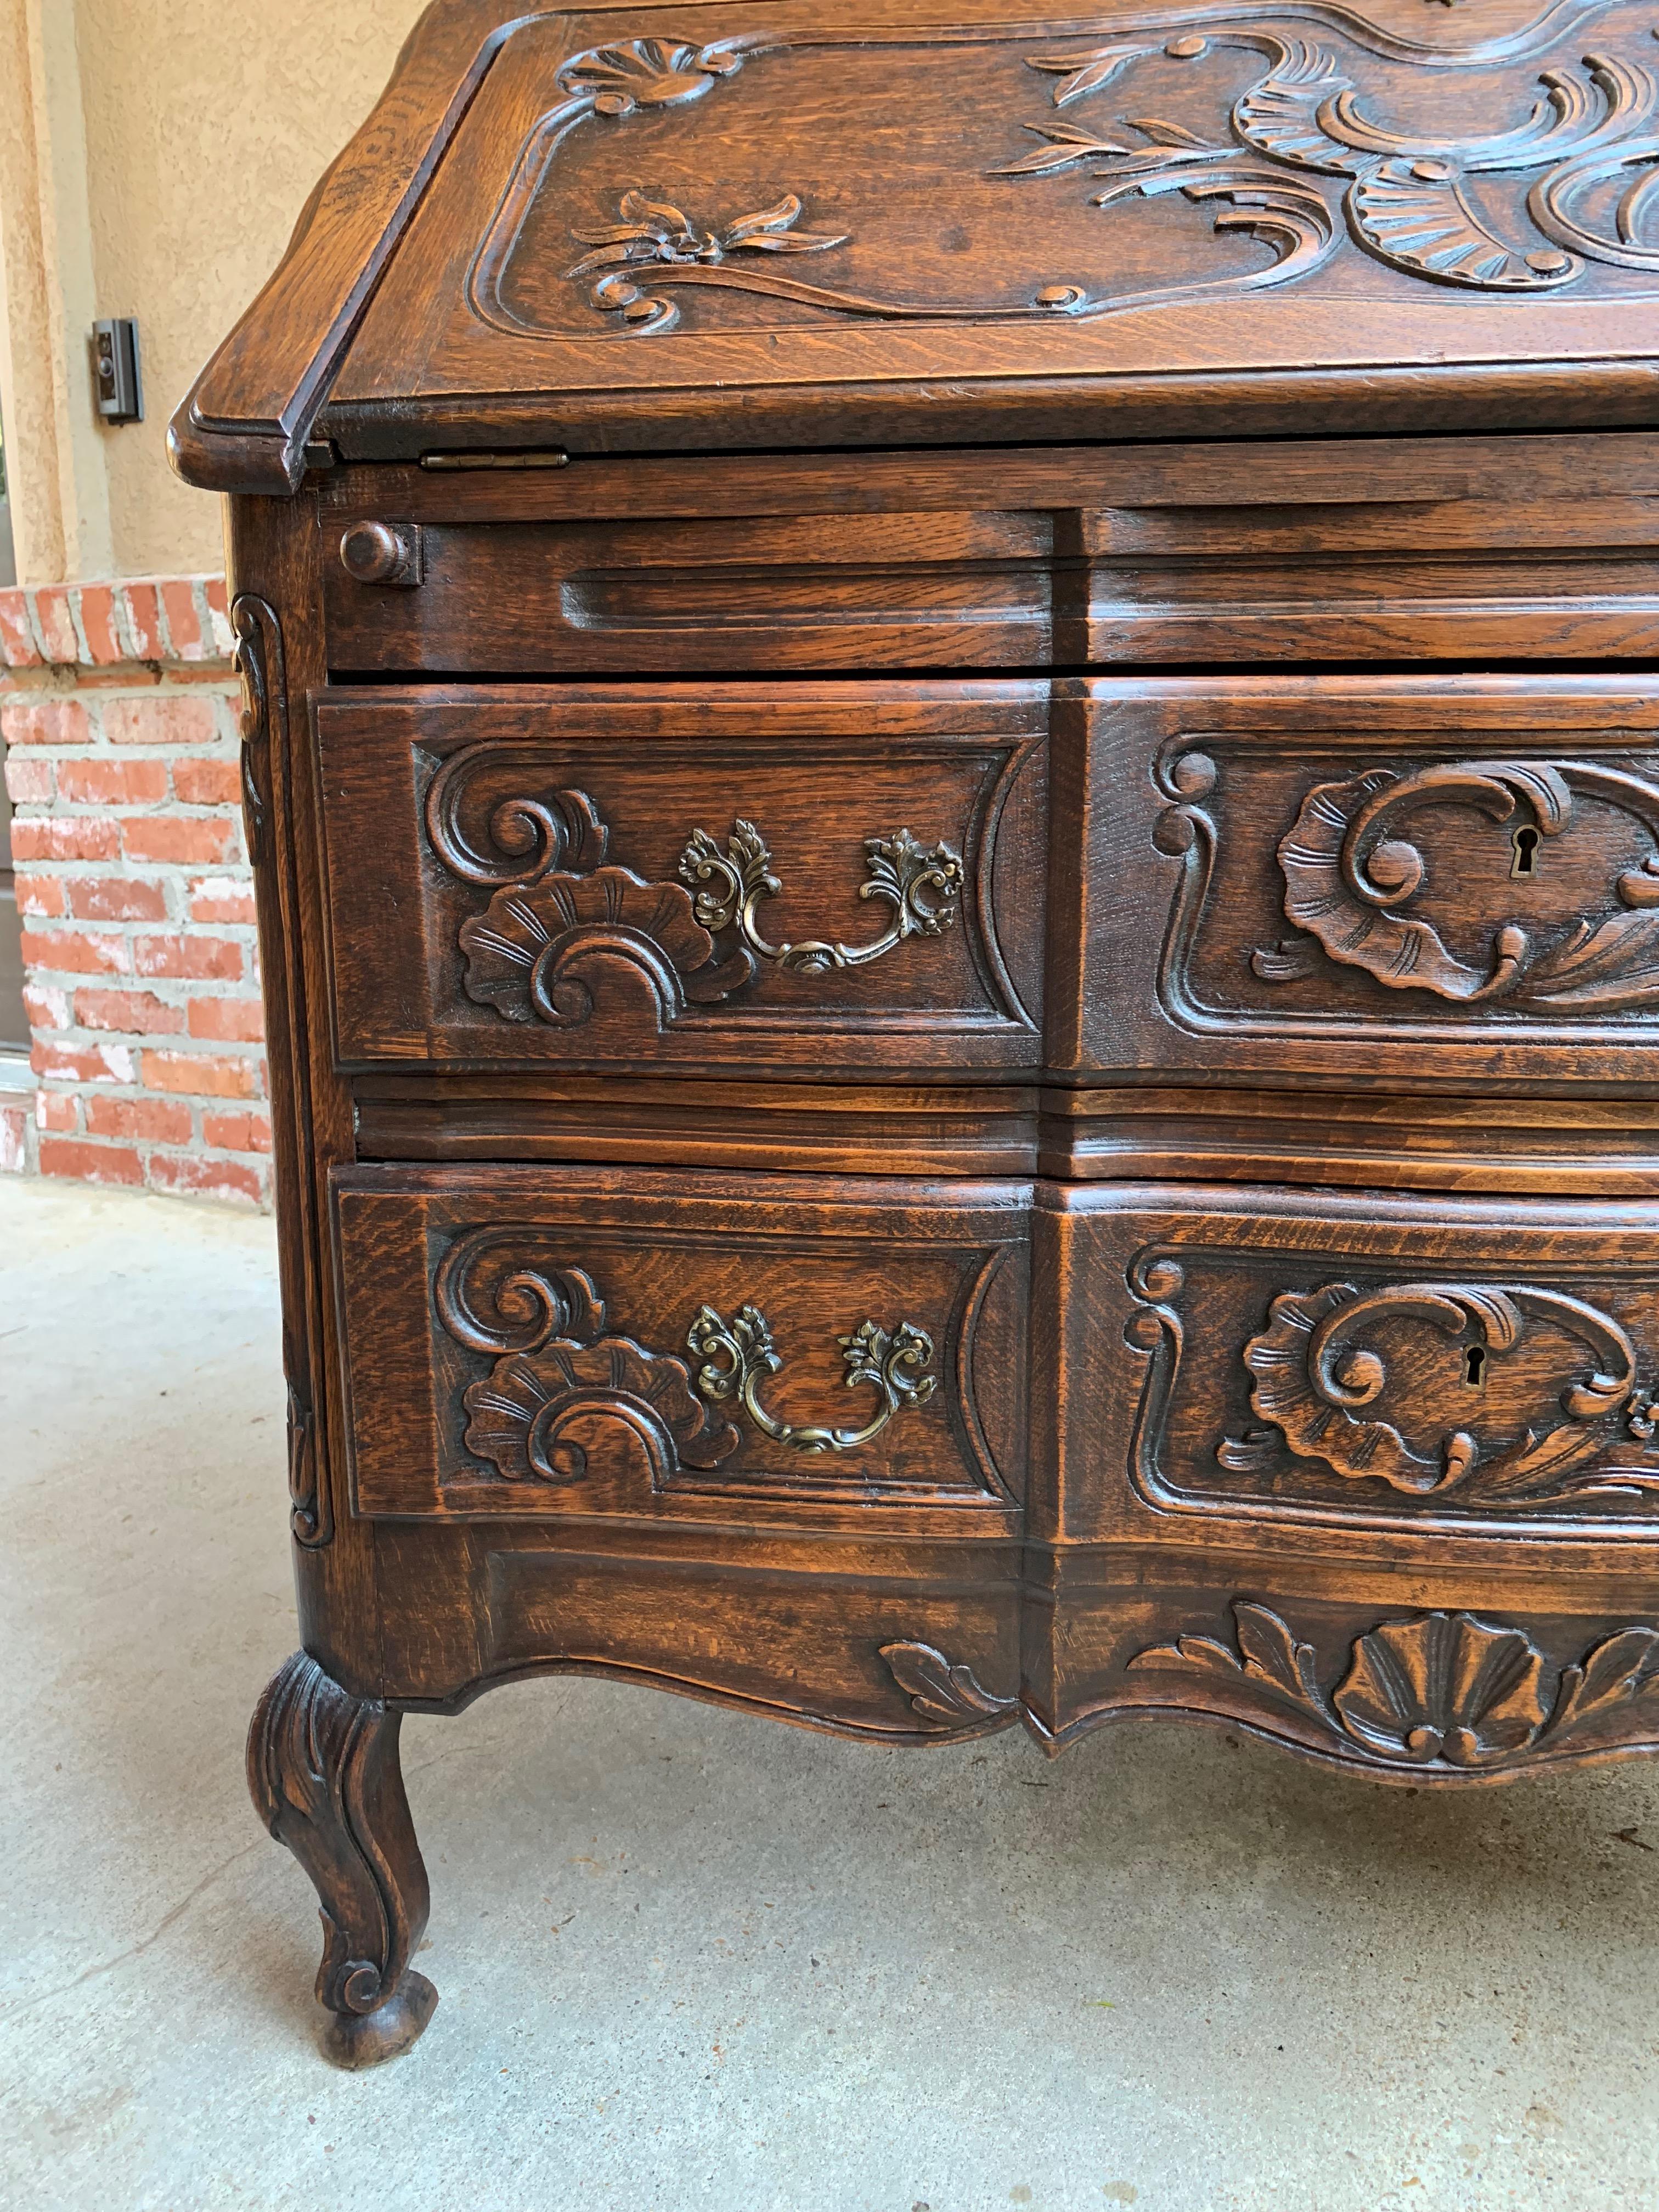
207	124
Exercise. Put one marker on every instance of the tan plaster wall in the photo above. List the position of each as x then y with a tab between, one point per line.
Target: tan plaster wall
26	384
207	123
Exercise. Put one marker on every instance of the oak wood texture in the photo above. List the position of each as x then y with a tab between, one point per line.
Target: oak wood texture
667	235
323	1770
1363	882
1010	1077
546	1341
1314	573
827	876
642	232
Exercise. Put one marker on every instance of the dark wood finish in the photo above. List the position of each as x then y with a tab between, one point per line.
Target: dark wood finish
1358	882
578	1342
829	876
322	1767
1138	556
1106	1167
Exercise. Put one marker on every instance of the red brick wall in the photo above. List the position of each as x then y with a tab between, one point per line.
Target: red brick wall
118	711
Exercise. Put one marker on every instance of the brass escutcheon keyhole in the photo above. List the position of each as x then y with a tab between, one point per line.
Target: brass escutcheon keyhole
1524	866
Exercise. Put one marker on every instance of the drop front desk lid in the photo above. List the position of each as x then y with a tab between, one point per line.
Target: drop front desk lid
902	222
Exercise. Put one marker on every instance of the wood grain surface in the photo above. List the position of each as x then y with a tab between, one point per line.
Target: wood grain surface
1011	1077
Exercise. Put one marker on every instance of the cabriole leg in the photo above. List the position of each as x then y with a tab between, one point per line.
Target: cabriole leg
322	1766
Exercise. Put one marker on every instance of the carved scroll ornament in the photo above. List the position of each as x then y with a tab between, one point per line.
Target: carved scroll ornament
1316	1375
565	923
1441	1690
1296	160
1350	874
1407	199
560	1368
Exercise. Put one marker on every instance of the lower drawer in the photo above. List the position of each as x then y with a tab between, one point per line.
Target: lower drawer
1360	1376
577	1341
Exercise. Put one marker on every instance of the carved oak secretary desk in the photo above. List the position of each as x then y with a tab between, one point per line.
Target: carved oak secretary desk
953	758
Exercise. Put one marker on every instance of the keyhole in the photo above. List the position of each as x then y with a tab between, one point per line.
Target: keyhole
1474	1366
1525	863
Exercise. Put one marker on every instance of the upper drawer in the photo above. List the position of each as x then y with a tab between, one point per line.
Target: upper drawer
734	877
1368	881
823	590
1333	550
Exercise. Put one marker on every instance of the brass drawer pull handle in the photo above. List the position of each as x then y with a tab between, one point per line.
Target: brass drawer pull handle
566	916
922	886
736	1356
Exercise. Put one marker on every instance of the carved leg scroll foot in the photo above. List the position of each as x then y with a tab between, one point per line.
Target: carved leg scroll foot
322	1766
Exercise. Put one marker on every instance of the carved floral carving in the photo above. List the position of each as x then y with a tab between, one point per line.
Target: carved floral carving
943	1695
559	1367
1441	1689
655	236
1350	874
1297	164
636	73
566	925
1406	198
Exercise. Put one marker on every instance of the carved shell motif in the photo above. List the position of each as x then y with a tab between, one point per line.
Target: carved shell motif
524	1413
1446	1686
545	951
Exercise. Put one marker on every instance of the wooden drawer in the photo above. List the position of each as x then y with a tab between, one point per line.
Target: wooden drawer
1447	881
1366	1378
1331	550
832	877
970	589
577	1341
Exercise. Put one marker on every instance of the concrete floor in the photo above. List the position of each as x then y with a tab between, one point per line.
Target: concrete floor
691	1959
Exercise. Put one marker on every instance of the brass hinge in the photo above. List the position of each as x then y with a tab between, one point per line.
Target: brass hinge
450	464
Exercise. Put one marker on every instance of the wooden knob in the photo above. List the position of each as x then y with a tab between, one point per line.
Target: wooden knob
377	553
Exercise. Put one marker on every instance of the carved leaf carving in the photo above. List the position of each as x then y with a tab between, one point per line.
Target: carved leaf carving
1272	1655
1624	1667
1085	73
943	1695
1065	145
